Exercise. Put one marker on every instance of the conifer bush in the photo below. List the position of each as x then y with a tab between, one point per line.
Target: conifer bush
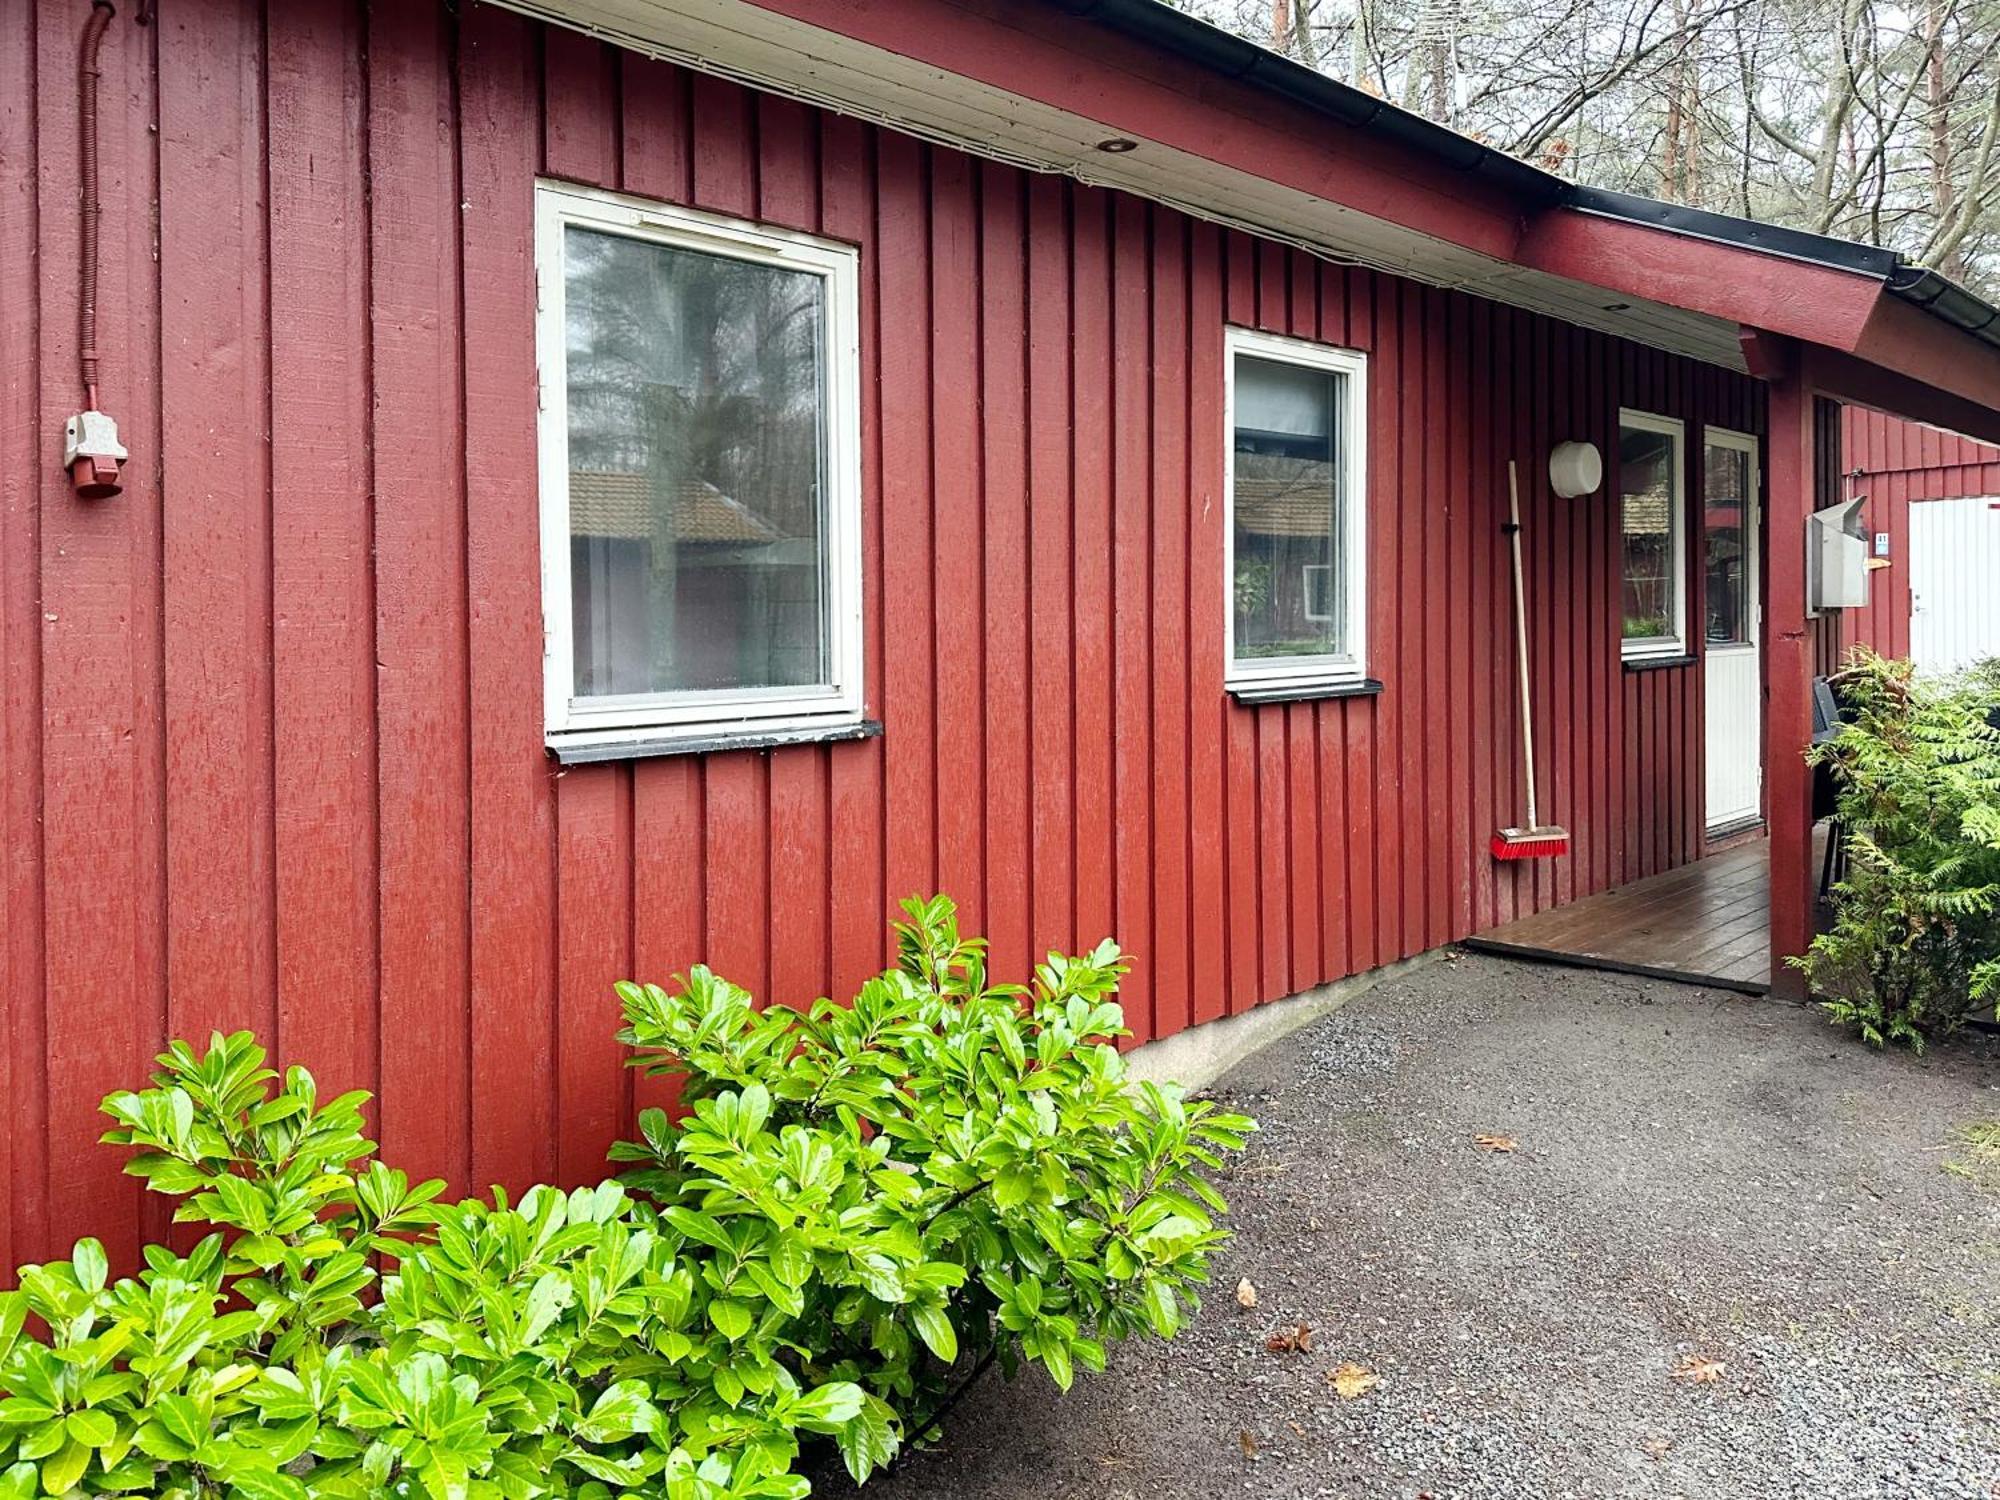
860	1208
1914	948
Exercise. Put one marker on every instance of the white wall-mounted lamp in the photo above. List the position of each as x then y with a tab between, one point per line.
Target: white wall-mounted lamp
1575	469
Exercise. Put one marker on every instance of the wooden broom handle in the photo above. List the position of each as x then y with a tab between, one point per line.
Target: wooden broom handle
1521	639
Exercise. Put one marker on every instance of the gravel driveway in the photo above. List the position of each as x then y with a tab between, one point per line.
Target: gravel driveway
1696	1176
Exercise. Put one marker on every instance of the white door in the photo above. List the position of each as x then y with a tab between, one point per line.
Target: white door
1731	671
1954	605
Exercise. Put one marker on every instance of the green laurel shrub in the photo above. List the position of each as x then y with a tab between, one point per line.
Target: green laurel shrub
1914	947
944	1173
862	1205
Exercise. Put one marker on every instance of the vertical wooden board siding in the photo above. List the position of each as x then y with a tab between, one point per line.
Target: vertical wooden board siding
1507	722
322	629
957	689
1439	522
1414	585
307	671
796	925
1363	716
1545	574
1007	724
909	692
1050	639
1190	614
1485	669
420	677
1093	855
82	1036
1385	595
512	806
1601	558
724	158
736	865
656	133
667	931
1456	642
1302	842
1134	919
579	135
1274	860
594	852
22	1103
128	277
217	621
787	186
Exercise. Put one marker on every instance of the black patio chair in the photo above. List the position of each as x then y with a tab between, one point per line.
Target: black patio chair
1825	794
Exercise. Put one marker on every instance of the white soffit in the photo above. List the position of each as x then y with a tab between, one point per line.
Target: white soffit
776	53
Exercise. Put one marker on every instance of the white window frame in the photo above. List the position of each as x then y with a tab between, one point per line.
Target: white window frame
709	714
1351	546
1674	645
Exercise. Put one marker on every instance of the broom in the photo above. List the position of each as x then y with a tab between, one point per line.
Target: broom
1536	840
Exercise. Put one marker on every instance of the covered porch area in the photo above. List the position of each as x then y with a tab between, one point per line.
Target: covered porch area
1708	922
1824	325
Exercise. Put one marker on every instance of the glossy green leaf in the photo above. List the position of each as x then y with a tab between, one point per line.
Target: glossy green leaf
731	1318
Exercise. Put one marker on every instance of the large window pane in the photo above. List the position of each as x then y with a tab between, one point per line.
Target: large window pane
1649	489
1729	589
697	455
1290	593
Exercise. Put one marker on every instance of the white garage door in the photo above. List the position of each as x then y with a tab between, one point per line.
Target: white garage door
1954	582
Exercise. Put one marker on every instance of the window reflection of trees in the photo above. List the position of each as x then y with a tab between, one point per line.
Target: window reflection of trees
701	364
696	452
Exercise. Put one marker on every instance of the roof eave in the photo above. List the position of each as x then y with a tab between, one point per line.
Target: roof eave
1220	51
1224	52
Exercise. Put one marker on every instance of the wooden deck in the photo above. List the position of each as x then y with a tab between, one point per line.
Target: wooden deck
1707	923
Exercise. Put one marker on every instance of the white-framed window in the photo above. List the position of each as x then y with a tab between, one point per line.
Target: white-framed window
700	469
1295	547
1652	510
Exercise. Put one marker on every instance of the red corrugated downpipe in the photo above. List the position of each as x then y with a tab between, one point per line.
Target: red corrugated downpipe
91	450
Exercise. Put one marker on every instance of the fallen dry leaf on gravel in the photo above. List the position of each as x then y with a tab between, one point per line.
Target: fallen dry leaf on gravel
1495	1142
1246	1293
1290	1338
1350	1380
1697	1369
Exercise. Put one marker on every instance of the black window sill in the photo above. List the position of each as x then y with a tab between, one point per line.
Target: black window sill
1308	692
642	746
1658	663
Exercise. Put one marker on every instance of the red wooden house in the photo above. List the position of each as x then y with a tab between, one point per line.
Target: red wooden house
614	483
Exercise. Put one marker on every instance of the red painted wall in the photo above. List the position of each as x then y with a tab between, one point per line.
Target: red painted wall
273	750
1899	464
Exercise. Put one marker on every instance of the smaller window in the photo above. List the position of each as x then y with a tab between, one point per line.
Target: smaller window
1653	524
1297	474
1729	537
700	474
